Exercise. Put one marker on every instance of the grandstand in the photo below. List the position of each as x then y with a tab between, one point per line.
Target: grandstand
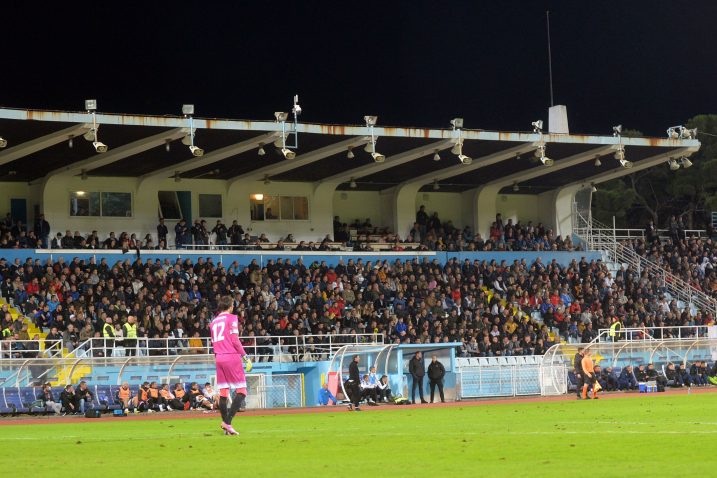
503	317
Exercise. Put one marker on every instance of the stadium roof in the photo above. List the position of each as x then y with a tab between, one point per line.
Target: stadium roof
147	146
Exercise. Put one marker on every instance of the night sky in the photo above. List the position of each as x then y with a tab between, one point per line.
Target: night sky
645	64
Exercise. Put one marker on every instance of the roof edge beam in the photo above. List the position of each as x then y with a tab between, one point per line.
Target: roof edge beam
43	142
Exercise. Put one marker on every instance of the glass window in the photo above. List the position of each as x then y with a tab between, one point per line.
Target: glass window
272	207
287	208
210	205
256	203
117	204
301	208
84	204
169	205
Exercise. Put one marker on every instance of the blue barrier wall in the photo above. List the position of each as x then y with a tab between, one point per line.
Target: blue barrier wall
244	257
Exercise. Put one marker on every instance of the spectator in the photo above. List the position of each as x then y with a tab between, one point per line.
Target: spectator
221	231
627	379
70	401
181	234
368	391
48	399
384	389
84	396
436	372
41	230
162	231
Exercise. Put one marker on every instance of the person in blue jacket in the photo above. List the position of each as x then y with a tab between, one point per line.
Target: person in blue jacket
325	395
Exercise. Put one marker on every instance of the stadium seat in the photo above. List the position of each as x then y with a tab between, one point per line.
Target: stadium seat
104	398
4	407
28	395
13	399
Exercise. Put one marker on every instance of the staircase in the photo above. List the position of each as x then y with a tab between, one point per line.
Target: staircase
597	237
63	371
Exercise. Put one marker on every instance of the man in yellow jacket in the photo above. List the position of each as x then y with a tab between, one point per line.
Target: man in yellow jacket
130	336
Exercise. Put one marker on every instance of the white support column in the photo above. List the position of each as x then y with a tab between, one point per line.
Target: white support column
33	146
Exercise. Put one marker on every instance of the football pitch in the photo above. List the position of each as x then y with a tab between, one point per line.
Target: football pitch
646	435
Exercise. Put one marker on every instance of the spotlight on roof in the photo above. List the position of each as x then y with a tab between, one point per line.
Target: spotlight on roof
350	153
261	151
540	154
281	116
287	153
91	135
516	188
547	161
673	133
378	157
457	123
598	163
617	130
371	146
296	109
686	133
537	126
167	147
436	156
674	165
686	163
456	149
370	120
593	188
465	159
100	147
352	184
196	151
70	142
188	111
3	142
91	105
436	186
620	153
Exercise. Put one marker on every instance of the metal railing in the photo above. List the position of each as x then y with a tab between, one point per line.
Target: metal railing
263	348
630	334
30	349
598	238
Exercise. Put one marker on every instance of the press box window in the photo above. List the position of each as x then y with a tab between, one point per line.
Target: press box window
210	205
272	208
84	204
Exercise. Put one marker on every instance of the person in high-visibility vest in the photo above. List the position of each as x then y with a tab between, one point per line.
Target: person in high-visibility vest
130	336
589	373
615	329
108	332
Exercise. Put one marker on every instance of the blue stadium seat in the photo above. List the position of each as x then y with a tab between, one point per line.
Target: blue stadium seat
28	395
4	408
104	398
13	399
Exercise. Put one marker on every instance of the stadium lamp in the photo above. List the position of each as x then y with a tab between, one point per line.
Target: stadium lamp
280	116
436	186
674	165
593	188
465	159
457	123
3	142
188	111
350	153
371	147
516	188
686	133
167	146
598	163
686	163
91	135
620	153
70	142
617	130
436	156
352	184
540	154
287	153
261	151
537	126
672	132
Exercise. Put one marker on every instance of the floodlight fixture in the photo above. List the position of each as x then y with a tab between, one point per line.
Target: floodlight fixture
436	156
537	126
261	151
674	165
296	109
465	159
620	153
287	153
370	120
516	188
457	123
686	163
280	116
617	130
196	151
436	186
593	188
352	184
70	142
188	110
91	135
378	157
3	142
371	146
456	149
540	154
686	133
350	153
167	146
625	163
598	163
673	132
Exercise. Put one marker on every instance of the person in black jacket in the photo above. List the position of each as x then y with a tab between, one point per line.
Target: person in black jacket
84	396
578	370
353	384
436	372
417	370
162	231
70	401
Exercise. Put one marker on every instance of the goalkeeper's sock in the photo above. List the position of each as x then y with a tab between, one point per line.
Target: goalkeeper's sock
223	408
237	403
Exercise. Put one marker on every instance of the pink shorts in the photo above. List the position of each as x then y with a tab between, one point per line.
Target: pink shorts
230	371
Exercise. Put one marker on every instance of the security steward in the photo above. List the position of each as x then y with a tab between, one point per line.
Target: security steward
108	332
130	336
578	370
615	328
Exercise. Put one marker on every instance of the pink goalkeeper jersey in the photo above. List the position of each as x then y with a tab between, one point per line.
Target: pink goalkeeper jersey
225	330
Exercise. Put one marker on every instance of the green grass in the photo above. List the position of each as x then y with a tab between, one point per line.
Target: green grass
637	436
